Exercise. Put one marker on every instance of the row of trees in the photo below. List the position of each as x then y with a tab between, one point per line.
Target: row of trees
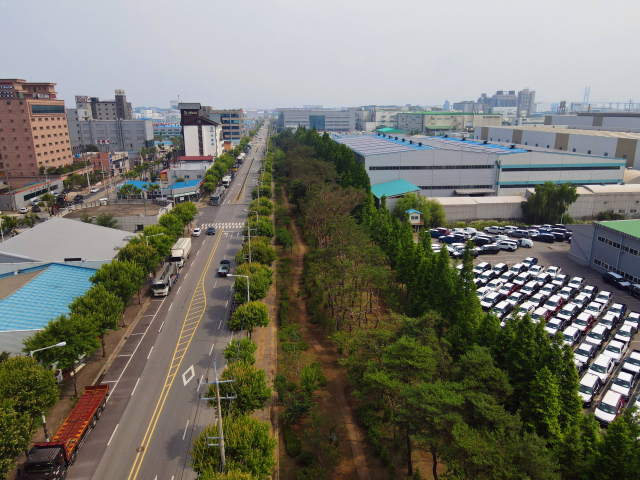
440	375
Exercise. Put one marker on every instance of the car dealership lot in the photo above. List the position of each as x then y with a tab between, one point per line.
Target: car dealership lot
557	254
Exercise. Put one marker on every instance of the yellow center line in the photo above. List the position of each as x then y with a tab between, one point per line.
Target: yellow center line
194	310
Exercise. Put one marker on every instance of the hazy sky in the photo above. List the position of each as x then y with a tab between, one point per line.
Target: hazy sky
285	53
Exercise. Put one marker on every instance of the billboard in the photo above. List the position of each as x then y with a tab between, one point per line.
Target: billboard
102	142
83	99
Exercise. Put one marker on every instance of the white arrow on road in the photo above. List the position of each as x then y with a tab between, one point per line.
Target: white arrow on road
184	375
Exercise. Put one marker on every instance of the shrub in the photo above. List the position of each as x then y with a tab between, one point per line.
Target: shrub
306	458
294	444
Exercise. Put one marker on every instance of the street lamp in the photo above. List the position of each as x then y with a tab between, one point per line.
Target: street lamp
44	420
148	237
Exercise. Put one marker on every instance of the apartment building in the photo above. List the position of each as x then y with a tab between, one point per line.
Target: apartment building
33	130
232	121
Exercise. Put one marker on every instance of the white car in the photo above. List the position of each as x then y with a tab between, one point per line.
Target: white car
493	229
569	312
527	308
24	210
196	232
537	269
495	285
617	309
515	299
609	407
566	293
634	317
585	353
625	333
571	336
616	350
602	366
94	190
508	245
483	292
595	308
604	298
525	242
632	363
578	283
554	271
624	383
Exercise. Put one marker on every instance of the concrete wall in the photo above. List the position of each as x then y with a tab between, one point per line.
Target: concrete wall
481	208
581	244
191	141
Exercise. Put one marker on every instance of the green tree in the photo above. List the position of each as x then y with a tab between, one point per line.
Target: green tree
618	455
80	334
172	223
86	218
15	433
106	220
121	278
260	228
549	203
48	201
129	190
249	448
285	238
261	252
91	148
260	279
249	386
210	474
101	307
162	243
30	220
185	211
240	351
249	316
312	378
142	254
32	388
543	406
9	224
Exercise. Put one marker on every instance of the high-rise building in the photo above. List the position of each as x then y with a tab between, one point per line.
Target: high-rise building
469	106
232	121
115	109
526	102
33	130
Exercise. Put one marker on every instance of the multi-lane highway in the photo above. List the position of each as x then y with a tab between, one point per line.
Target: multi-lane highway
153	412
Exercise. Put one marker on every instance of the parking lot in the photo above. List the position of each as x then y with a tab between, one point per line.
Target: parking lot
557	254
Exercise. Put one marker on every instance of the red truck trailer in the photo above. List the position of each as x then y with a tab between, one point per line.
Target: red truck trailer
51	460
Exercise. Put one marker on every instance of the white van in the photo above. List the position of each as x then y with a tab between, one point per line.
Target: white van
103	201
35	200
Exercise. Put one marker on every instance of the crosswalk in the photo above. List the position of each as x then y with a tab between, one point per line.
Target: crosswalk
222	225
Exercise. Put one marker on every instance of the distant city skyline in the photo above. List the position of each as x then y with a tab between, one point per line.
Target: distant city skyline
283	54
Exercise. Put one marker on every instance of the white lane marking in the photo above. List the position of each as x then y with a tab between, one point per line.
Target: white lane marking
141	333
170	306
136	386
192	372
161	327
211	351
185	275
185	432
124	355
220	324
216	283
150	352
114	432
179	289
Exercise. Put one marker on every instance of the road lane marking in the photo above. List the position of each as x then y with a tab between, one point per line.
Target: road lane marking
150	352
186	380
174	366
179	289
185	275
185	432
135	386
211	351
170	306
114	432
161	327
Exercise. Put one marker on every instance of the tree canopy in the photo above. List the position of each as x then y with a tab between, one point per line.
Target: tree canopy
549	203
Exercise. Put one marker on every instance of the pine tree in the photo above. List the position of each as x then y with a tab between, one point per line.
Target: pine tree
542	407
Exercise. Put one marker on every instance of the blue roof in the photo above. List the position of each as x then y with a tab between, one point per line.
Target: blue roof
379	145
412	210
136	183
45	297
394	188
187	184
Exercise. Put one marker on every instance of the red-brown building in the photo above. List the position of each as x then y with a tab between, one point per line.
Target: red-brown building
33	130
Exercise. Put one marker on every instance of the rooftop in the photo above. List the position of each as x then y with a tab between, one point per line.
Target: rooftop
187	184
390	130
452	113
393	188
575	131
59	238
43	298
202	158
378	145
117	210
630	227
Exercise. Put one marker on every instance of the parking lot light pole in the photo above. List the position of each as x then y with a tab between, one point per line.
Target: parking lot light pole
148	237
44	420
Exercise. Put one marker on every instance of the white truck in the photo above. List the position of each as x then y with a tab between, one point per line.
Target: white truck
181	251
226	180
163	282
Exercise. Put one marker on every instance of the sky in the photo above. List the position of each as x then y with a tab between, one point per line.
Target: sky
286	53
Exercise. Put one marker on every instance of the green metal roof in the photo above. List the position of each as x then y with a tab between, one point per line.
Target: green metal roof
390	130
449	113
393	188
630	227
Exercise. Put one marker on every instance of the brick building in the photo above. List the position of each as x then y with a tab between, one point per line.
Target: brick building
33	130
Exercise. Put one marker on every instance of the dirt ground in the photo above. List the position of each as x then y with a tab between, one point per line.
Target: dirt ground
332	399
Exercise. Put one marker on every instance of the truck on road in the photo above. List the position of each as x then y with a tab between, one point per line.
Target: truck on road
240	158
216	197
51	461
181	251
226	180
225	265
163	282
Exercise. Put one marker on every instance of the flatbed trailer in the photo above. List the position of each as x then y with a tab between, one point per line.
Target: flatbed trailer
51	460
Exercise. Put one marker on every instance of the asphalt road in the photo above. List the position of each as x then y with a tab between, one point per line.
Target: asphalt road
154	412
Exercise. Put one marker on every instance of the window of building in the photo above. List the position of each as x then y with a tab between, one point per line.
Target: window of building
536	144
589	152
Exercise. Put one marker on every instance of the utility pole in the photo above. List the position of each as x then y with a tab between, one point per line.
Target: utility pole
217	398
